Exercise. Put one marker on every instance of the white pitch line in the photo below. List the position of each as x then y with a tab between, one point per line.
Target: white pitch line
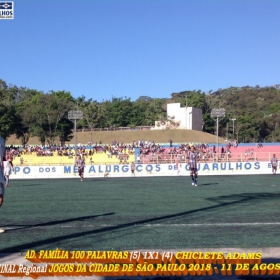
154	225
217	224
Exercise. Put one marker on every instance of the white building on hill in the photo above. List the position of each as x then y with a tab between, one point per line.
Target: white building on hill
181	118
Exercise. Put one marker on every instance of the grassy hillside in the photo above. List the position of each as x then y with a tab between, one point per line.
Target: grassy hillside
159	136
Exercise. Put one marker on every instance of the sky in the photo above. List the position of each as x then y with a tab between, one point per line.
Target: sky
130	48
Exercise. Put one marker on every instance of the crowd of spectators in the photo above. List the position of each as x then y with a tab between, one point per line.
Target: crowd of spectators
205	151
122	151
116	148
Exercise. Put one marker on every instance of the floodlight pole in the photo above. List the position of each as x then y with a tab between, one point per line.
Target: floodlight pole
75	144
74	116
216	114
217	136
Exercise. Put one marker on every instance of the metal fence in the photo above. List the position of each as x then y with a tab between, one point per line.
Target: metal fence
115	128
232	157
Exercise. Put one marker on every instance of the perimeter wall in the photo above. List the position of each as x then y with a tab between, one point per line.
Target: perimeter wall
142	170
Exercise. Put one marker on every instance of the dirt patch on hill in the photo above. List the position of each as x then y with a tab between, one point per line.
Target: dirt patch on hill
159	136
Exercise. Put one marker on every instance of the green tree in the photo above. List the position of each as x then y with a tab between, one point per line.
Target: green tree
65	129
8	116
138	110
91	114
45	114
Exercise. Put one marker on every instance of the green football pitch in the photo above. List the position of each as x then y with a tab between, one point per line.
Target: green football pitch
141	213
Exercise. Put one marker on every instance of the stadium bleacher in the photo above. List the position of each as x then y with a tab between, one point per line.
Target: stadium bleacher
97	158
166	154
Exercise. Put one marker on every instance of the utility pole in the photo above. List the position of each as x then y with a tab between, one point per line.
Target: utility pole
233	120
227	131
